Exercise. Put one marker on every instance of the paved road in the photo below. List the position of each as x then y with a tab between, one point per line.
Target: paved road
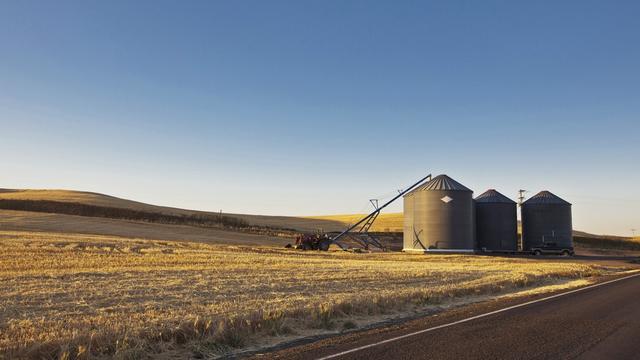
597	323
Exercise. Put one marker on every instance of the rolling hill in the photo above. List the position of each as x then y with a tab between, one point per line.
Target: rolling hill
386	222
61	221
101	200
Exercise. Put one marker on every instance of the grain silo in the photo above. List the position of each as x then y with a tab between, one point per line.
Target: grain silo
408	222
443	217
546	220
496	222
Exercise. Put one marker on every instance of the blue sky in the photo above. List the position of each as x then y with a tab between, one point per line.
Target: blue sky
313	107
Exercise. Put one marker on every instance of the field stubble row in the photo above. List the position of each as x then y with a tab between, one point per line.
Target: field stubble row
79	296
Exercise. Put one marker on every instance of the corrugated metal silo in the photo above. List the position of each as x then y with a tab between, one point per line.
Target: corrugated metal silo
496	222
443	216
546	218
408	223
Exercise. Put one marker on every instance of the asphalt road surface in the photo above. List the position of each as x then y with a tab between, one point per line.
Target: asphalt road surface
602	322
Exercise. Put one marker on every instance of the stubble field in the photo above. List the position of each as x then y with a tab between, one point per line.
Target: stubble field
83	296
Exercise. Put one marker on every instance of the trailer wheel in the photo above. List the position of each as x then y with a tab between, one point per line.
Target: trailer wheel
566	253
537	252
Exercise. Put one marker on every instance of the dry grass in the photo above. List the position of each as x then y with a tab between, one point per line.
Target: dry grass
89	198
71	196
79	296
33	221
386	222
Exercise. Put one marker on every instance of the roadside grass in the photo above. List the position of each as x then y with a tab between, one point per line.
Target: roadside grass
72	296
386	222
607	243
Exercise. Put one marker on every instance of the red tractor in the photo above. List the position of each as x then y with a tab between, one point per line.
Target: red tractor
313	242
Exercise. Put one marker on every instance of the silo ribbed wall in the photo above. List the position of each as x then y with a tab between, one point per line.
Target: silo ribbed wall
546	223
408	223
440	224
497	226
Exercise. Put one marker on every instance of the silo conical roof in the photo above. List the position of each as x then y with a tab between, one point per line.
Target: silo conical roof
493	196
440	182
545	197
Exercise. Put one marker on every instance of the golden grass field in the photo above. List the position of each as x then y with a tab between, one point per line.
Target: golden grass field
386	222
89	198
33	221
68	296
83	197
86	287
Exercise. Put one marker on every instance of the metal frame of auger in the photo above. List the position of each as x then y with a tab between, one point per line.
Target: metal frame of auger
362	235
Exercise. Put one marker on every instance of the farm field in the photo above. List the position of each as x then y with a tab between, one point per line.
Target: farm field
386	222
61	223
96	199
82	296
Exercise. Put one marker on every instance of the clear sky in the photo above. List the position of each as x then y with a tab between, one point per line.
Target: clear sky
313	107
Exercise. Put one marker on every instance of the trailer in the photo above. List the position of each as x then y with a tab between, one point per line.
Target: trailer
546	249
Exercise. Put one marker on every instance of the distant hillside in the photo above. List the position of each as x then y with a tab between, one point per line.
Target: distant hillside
386	222
606	242
101	200
21	221
112	212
